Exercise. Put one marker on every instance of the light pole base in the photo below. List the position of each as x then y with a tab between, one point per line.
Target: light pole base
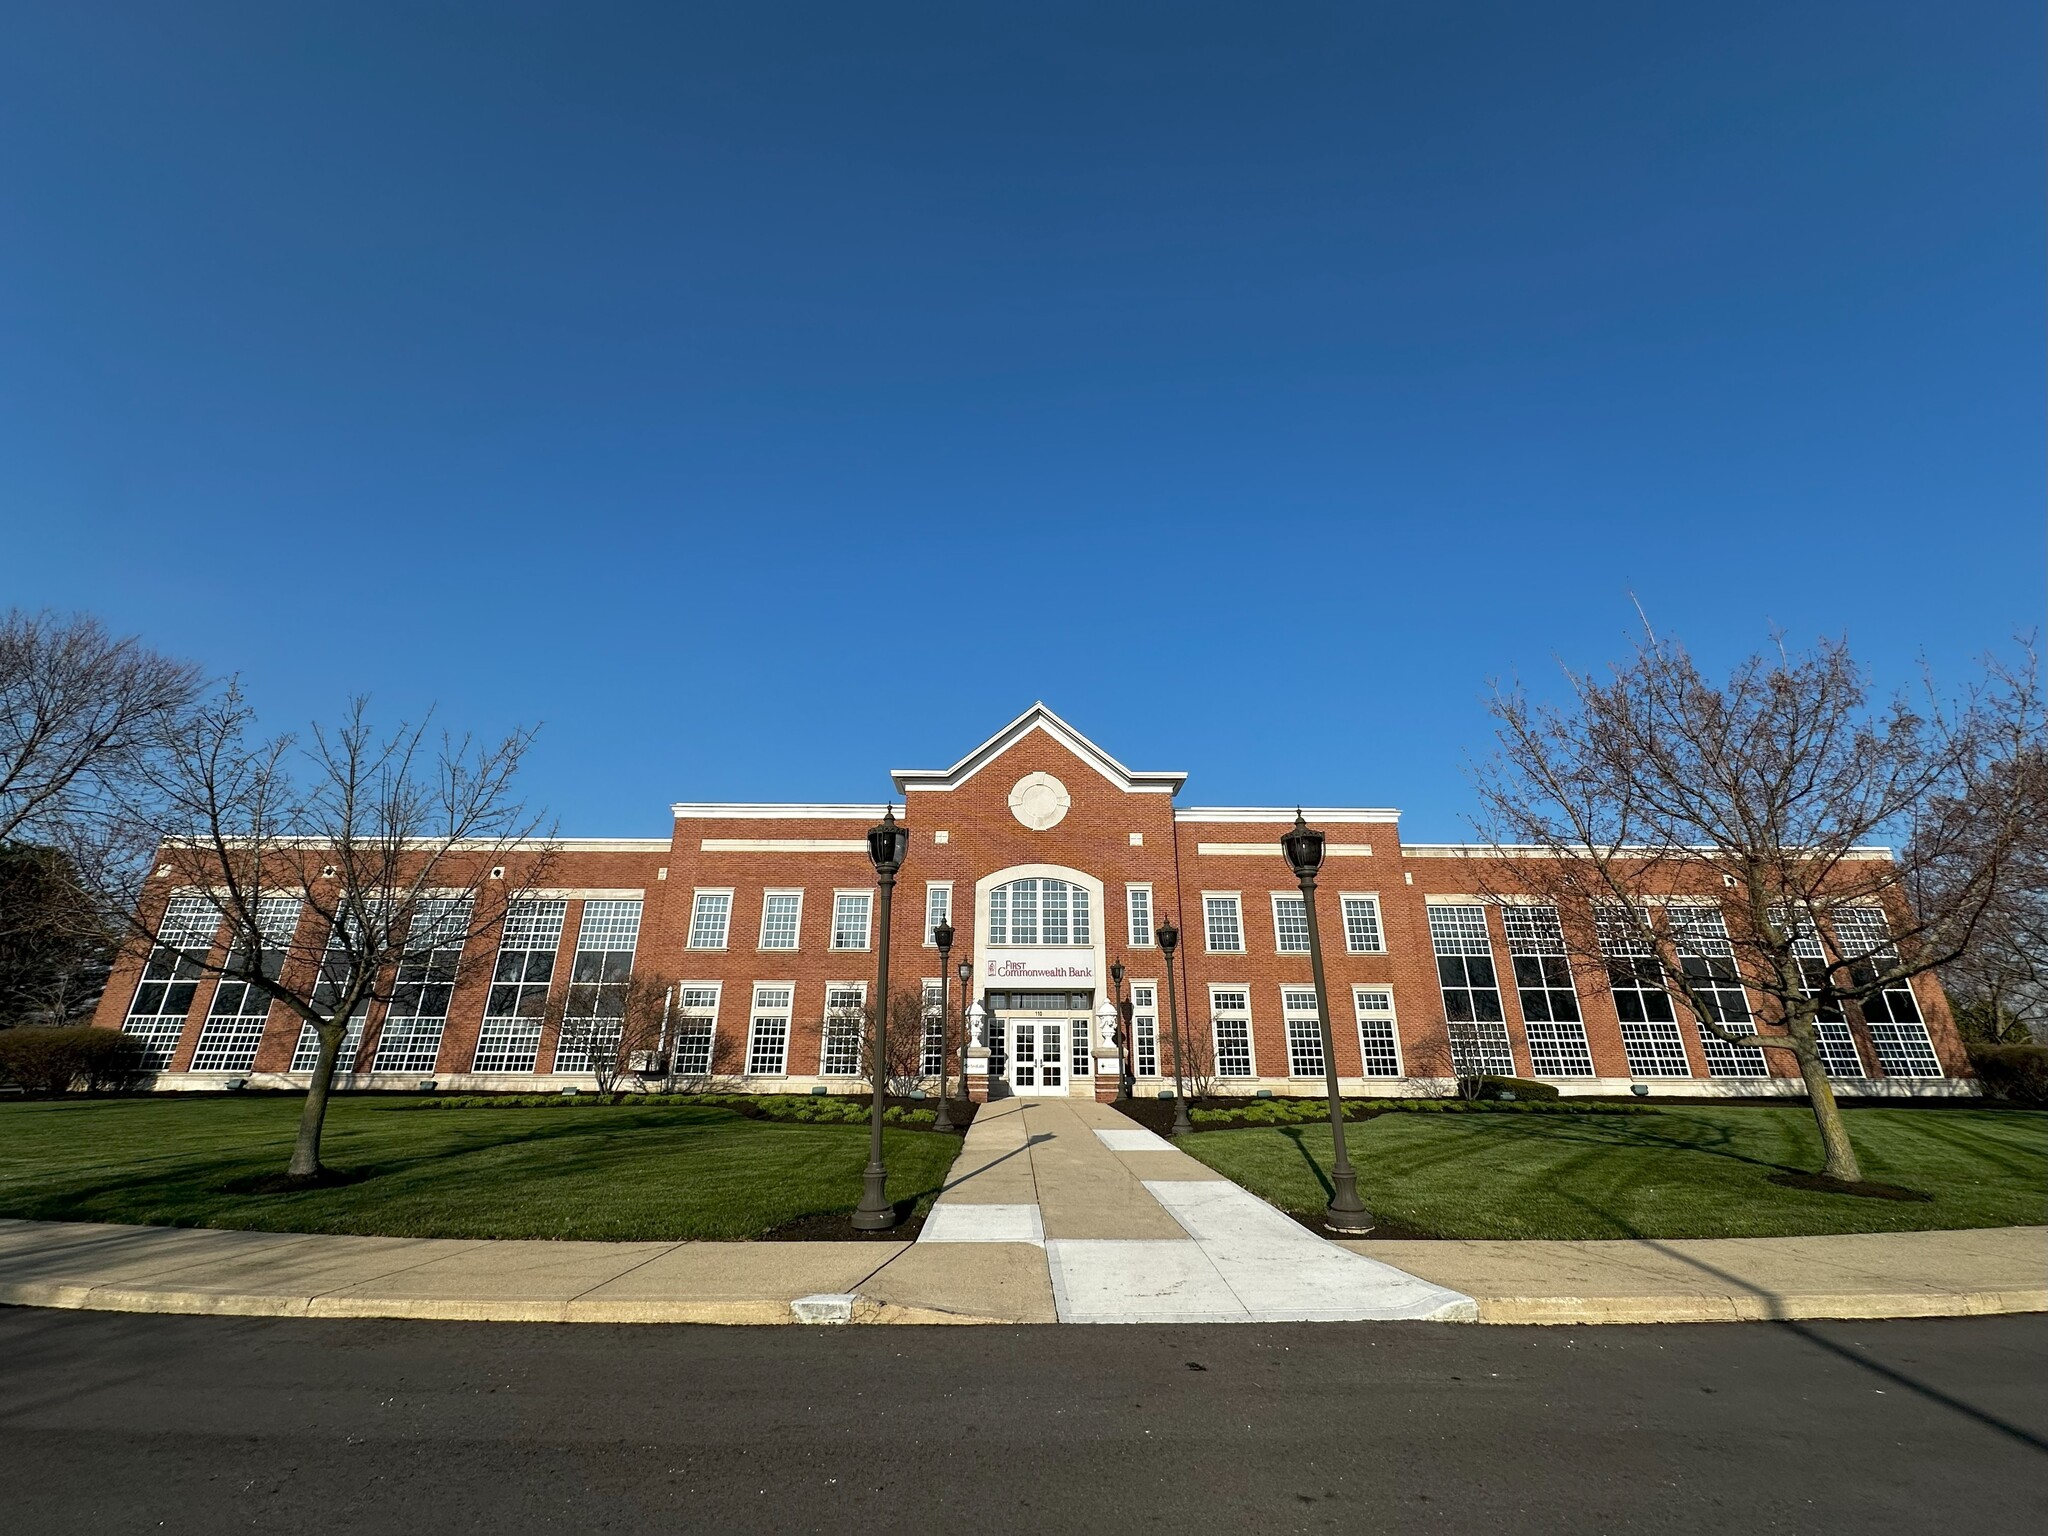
1349	1223
1346	1213
874	1213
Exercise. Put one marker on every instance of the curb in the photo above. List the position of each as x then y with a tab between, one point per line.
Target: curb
1701	1308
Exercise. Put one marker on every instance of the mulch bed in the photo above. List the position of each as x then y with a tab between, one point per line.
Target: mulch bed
837	1227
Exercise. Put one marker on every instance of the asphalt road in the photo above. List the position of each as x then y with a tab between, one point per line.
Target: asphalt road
113	1423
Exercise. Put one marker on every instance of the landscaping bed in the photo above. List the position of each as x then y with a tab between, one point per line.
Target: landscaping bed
1221	1113
810	1109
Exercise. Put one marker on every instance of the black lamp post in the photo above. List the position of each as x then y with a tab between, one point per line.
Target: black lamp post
1127	1078
888	846
966	1031
1346	1212
942	935
1169	940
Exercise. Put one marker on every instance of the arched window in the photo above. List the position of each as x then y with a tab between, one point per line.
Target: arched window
1038	912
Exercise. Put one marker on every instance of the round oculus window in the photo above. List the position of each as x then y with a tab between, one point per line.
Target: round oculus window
1039	801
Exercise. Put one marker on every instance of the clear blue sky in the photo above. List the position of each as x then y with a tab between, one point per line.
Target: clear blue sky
765	396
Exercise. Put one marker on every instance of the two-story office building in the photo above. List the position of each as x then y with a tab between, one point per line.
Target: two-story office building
1052	862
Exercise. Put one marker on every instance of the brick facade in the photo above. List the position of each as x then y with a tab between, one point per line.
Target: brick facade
1109	828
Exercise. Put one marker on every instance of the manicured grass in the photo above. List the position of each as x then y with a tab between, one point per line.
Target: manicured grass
1679	1172
612	1173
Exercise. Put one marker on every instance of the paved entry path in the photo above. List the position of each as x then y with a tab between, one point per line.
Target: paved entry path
1136	1232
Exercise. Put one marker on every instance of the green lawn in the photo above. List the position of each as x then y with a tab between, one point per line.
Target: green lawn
1678	1172
612	1173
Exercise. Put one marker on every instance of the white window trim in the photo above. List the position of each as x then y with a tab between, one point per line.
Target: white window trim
1278	897
1313	1016
690	934
755	1011
1251	1040
677	1015
832	935
825	1028
1393	1017
1379	912
929	887
761	945
1131	940
1236	896
1159	1029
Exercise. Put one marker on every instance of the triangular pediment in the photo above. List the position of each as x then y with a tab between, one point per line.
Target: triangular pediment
1037	718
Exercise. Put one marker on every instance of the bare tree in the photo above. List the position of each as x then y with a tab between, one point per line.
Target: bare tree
1999	984
54	948
342	870
1722	836
603	1025
848	1031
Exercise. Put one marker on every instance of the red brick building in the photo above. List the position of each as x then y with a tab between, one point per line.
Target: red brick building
1052	861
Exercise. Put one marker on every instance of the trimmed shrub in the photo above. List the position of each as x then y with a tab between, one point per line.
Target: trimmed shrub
73	1056
1515	1088
2018	1073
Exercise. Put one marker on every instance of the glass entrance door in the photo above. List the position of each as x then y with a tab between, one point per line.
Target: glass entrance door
1038	1062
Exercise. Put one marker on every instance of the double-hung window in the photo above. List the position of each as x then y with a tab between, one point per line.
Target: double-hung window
1230	1015
1378	1046
1543	982
694	1026
1893	1015
593	1013
1304	1031
845	1021
768	1031
1635	977
938	907
1473	1016
410	1040
1362	935
170	978
850	911
710	919
234	1023
510	1038
1145	1029
781	911
1222	923
1138	912
1708	960
1290	924
932	1059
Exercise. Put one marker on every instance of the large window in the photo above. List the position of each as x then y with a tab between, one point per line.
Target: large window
1708	960
933	1058
938	907
845	1017
850	911
1230	1014
1138	911
593	1011
1649	1024
1830	1028
410	1040
336	972
1378	1046
1290	924
1893	1015
1362	925
1473	1016
1543	982
780	913
710	919
510	1038
768	1032
234	1024
1144	1029
1304	1031
1039	912
170	978
1222	924
695	1024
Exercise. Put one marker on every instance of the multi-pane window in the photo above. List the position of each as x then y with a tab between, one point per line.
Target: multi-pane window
1543	982
1138	909
768	1032
510	1038
694	1022
593	1011
1707	959
845	1014
410	1040
1473	1016
170	977
1378	1048
1838	1053
710	919
1304	1032
780	911
850	919
1230	1014
234	1023
1144	1029
1222	925
1893	1015
1362	925
336	972
933	1058
1635	976
1039	912
1290	925
938	907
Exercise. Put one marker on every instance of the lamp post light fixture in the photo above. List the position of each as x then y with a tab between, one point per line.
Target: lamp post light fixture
1127	1044
966	974
888	846
1346	1213
942	936
1169	940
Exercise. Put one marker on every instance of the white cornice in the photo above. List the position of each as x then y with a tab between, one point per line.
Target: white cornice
1037	718
1274	816
737	811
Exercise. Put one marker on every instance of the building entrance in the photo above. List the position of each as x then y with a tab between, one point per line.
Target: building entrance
1034	1048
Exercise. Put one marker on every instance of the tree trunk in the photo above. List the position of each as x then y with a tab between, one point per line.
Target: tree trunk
306	1153
1827	1114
